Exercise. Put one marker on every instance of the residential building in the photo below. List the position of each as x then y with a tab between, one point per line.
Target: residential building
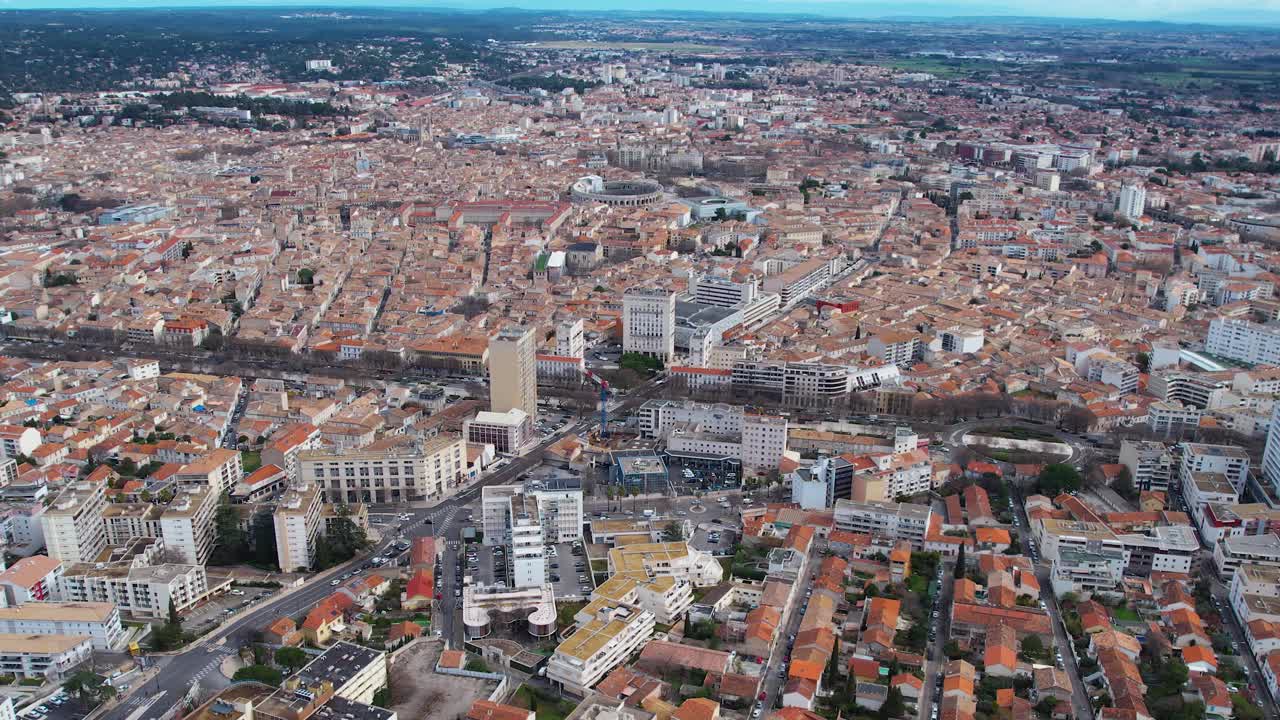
283	447
136	587
528	559
1227	460
513	371
298	520
1271	452
43	657
1150	464
506	432
895	348
18	440
356	672
221	469
1234	551
649	323
414	471
602	639
569	339
962	340
73	527
99	621
187	524
1132	202
31	579
1243	340
897	521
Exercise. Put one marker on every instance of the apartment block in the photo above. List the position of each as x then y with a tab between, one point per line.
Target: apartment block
221	469
298	520
136	588
569	339
356	672
897	521
649	323
99	621
31	579
896	348
602	639
513	371
73	527
1201	390
963	340
559	512
528	556
40	657
125	521
1234	551
1227	460
506	432
187	523
1244	341
283	448
405	472
760	441
1151	465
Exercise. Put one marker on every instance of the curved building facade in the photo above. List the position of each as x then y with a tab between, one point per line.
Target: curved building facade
619	193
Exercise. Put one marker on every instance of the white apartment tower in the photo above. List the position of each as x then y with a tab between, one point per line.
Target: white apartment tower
1133	202
187	525
298	519
649	323
569	342
73	527
528	562
1271	455
1242	340
513	371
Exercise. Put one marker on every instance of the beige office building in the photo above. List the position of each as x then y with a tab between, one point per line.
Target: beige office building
513	371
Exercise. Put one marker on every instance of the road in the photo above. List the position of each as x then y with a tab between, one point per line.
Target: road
772	684
1081	707
1251	667
935	660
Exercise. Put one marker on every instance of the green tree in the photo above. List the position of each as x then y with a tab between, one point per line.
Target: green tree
259	673
342	542
1033	647
958	573
174	619
291	657
894	706
262	530
1058	478
88	688
1123	485
230	542
307	276
832	672
674	531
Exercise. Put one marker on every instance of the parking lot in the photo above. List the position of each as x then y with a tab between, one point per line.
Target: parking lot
688	480
568	572
713	538
218	608
549	421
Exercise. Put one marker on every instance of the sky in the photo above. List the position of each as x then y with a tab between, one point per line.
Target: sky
1226	11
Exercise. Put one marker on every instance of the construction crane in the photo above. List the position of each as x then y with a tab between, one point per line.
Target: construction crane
604	401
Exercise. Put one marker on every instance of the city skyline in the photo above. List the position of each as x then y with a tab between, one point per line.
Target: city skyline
1227	12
